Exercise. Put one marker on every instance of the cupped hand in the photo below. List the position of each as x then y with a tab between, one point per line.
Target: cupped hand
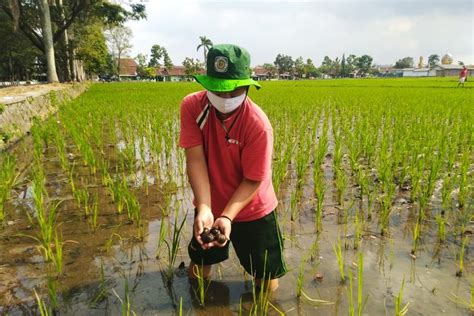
204	218
225	227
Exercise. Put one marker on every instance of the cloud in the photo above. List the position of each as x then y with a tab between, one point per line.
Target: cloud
385	29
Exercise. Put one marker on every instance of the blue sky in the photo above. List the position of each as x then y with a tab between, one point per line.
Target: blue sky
385	29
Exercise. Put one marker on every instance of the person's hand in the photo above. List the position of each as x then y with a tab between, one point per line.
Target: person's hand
204	218
225	226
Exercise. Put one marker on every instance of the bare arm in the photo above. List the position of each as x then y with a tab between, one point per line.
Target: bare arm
242	196
196	166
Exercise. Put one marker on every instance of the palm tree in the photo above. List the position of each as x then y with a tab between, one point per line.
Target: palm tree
205	44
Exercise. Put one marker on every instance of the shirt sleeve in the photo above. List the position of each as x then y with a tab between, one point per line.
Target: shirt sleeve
190	134
257	155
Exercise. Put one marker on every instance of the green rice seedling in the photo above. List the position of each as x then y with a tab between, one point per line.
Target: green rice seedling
8	178
460	272
71	178
350	295
341	185
82	199
57	254
360	281
401	310
358	231
446	190
173	246
94	214
126	304
441	220
463	179
180	308
103	291
162	237
53	293
202	284
466	303
340	260
320	189
416	237
43	308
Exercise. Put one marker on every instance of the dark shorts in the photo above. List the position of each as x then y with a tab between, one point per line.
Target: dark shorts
258	245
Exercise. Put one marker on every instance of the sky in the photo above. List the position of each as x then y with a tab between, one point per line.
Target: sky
387	30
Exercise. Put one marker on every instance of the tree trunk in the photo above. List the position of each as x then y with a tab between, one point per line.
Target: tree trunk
48	41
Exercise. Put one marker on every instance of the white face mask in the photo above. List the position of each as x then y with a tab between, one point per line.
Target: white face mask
225	105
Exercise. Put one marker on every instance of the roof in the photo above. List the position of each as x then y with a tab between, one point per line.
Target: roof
177	71
452	67
260	71
128	67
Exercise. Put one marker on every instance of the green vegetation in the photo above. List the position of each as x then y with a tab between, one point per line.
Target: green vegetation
385	162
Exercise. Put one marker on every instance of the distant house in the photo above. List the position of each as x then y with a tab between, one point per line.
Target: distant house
259	73
451	70
285	76
128	68
418	72
174	74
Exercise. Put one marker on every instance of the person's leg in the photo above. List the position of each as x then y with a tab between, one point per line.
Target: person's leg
271	285
259	247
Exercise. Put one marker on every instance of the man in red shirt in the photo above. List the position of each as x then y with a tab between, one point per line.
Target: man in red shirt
228	141
462	76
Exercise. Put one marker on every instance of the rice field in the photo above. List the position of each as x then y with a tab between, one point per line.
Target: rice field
375	180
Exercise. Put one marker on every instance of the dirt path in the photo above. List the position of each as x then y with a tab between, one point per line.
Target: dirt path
19	93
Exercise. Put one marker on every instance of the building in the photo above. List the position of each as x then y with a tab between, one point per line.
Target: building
128	68
418	72
451	70
259	73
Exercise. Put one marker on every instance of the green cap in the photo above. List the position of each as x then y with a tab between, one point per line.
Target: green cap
228	67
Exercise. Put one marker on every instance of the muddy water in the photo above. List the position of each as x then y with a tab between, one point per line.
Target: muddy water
101	267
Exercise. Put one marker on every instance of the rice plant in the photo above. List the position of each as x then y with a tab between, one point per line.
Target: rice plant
400	309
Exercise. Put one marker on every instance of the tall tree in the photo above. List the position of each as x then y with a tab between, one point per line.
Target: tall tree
300	67
433	60
205	44
284	63
343	66
364	63
63	16
48	40
119	42
159	53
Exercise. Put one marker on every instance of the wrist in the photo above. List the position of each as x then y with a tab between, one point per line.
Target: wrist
203	208
226	217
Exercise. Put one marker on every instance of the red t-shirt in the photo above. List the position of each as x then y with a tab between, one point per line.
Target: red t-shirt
248	153
463	73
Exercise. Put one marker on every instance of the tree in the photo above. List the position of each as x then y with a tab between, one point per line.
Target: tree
344	72
19	59
300	67
433	60
91	49
23	14
284	63
119	43
205	44
311	69
48	41
192	66
406	62
364	63
270	68
159	53
142	65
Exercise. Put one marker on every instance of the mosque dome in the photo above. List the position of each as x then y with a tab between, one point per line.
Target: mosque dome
447	59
